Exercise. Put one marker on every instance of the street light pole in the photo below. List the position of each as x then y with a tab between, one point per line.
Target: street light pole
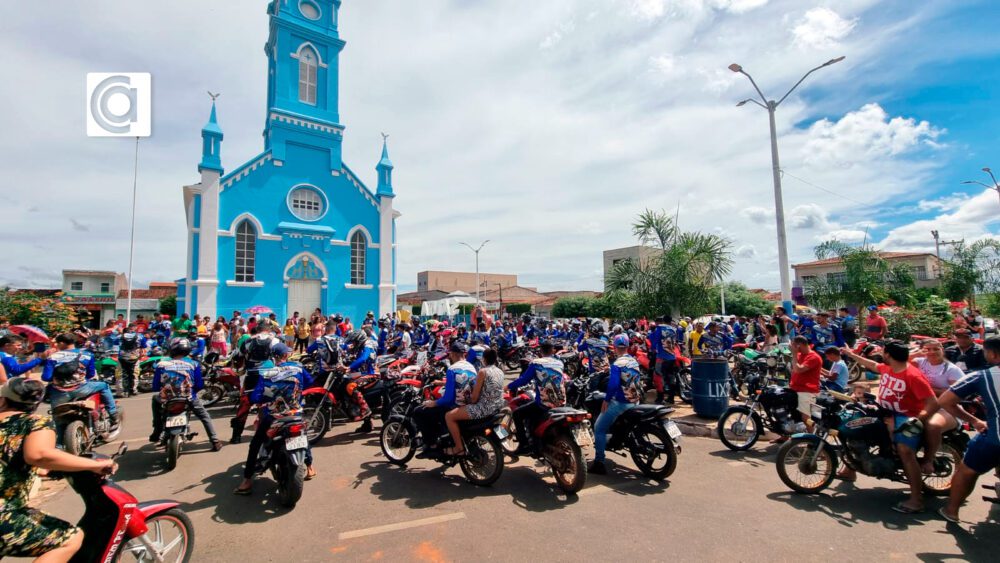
996	185
779	206
476	250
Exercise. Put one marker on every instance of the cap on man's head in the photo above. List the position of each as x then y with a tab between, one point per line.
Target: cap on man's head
280	349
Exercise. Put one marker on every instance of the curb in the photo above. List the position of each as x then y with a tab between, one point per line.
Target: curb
699	428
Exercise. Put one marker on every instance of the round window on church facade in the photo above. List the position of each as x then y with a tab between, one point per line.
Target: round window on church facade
307	204
309	10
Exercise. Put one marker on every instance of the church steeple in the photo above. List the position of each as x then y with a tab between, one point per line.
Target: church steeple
384	169
211	144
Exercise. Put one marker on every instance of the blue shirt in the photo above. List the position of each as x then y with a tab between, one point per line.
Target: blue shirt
193	369
625	381
664	340
365	362
87	365
839	368
714	344
826	336
547	375
260	396
986	384
458	385
596	350
15	369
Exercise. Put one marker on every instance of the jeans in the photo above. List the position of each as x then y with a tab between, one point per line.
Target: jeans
430	422
199	411
603	426
257	442
58	397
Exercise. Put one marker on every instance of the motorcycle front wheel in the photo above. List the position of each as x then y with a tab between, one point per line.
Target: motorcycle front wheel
75	437
799	472
509	444
316	422
738	429
483	461
170	534
653	452
566	459
211	394
397	442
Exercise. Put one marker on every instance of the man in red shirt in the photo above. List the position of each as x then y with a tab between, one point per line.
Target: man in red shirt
875	326
807	368
904	390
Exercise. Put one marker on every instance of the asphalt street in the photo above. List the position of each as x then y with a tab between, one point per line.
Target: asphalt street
717	506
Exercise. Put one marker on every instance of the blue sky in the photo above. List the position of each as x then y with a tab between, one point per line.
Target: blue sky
544	126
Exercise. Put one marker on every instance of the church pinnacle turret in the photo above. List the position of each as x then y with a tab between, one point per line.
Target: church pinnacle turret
211	146
384	169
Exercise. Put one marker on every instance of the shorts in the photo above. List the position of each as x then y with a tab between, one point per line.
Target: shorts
26	532
912	440
982	455
805	402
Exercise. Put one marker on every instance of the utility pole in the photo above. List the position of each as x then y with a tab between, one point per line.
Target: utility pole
937	247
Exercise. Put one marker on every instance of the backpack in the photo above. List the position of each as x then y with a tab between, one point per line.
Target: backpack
282	390
259	350
130	345
176	379
328	352
68	370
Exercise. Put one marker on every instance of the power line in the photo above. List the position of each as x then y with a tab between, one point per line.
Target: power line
821	188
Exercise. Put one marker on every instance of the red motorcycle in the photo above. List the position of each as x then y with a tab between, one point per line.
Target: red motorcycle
117	527
221	381
871	350
84	424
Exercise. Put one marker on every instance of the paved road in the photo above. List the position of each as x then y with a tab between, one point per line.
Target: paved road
718	505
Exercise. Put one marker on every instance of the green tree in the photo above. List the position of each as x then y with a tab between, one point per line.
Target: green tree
515	309
972	268
867	279
168	306
47	312
740	301
931	318
570	307
678	278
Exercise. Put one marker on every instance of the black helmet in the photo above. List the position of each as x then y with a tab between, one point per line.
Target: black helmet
355	339
179	347
597	328
337	318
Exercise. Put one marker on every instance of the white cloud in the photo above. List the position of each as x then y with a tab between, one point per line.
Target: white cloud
822	28
554	38
746	251
975	217
808	216
663	65
946	203
759	215
863	135
843	235
649	9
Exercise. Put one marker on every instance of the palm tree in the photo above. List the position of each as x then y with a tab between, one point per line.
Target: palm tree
678	278
868	277
972	268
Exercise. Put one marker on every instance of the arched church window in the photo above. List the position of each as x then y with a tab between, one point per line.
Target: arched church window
308	68
246	253
359	245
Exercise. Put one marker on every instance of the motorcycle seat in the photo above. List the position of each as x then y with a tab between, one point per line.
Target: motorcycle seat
88	404
646	412
480	423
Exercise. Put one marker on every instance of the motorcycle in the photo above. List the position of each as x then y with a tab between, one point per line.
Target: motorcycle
176	428
871	350
769	406
483	460
108	369
558	440
284	454
146	368
510	356
117	527
855	434
221	381
85	424
644	431
323	409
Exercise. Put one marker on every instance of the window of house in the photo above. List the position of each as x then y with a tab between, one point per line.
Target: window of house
105	287
920	272
308	69
76	286
306	204
358	250
246	253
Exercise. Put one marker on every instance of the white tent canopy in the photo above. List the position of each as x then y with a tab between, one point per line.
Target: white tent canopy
447	306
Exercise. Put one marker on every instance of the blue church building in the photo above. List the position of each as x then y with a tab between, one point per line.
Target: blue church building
294	228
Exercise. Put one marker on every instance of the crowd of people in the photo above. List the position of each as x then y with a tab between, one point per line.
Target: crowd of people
919	387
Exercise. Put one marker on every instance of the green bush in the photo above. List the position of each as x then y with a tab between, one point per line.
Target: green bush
516	309
572	307
933	318
168	305
48	313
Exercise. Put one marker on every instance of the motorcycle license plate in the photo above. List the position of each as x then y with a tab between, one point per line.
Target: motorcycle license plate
175	421
501	432
583	436
673	430
296	443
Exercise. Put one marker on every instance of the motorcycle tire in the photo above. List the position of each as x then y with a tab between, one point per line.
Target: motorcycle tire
483	461
646	463
173	451
750	422
801	448
512	364
211	395
75	438
317	424
398	442
684	380
180	552
291	480
939	484
564	446
855	372
509	444
145	382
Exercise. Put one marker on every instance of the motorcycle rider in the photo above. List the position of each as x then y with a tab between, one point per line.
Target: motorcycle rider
546	372
279	393
27	443
714	343
254	351
383	333
664	340
458	384
177	376
905	392
11	346
129	354
624	392
70	373
966	354
824	333
595	348
480	336
360	357
983	453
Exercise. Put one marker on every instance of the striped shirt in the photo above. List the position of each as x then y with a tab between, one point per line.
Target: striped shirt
984	383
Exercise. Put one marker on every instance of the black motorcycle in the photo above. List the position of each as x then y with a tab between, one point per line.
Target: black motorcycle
768	406
510	355
176	428
644	431
856	434
483	459
284	454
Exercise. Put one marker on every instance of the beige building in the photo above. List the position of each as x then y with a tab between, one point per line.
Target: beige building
462	281
926	268
638	254
93	291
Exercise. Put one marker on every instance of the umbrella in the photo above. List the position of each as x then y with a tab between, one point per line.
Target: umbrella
259	310
32	333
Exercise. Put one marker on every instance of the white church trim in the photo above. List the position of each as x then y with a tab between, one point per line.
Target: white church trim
245	170
261	235
231	283
309	44
350	235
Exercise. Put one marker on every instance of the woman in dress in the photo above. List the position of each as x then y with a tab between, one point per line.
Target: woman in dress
28	443
486	400
941	374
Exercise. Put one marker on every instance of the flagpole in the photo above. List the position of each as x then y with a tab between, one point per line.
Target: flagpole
131	244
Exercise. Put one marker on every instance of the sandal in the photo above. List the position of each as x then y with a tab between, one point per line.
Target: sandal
843	477
943	514
903	509
243	492
453	453
310	473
